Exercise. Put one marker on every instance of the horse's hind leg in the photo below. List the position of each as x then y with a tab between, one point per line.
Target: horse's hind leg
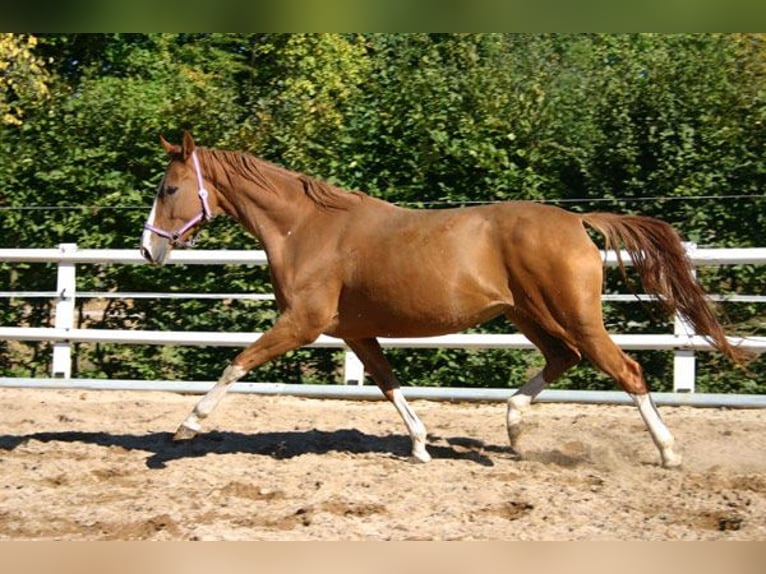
558	358
370	353
603	352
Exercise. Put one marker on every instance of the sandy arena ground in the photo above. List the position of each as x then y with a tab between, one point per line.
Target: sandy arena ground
100	465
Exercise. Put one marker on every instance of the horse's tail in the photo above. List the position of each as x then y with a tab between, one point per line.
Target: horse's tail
665	270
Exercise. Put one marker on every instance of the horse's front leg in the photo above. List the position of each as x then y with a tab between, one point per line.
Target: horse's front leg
193	422
285	336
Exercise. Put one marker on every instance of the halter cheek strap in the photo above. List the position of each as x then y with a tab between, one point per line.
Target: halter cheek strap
205	214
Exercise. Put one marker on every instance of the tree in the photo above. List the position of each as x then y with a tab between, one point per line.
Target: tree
666	125
23	77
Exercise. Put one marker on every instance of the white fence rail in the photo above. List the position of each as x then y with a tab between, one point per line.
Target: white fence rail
682	342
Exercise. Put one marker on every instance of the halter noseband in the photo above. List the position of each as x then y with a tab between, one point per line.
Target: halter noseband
204	215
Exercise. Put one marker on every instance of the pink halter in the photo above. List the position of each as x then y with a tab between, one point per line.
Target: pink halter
205	214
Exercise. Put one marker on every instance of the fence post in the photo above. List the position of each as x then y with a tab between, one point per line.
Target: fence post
684	363
353	370
66	287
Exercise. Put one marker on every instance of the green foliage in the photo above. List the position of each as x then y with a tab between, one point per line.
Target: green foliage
668	125
23	77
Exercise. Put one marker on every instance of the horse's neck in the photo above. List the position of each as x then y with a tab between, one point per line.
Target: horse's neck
271	209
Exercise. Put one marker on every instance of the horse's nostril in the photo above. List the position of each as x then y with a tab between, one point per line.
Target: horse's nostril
146	254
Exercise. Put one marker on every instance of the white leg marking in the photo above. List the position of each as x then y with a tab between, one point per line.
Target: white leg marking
192	423
660	433
519	402
415	426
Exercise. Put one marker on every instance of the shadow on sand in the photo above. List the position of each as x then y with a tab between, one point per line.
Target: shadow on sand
284	445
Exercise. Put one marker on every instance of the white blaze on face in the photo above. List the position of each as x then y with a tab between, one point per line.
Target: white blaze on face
146	236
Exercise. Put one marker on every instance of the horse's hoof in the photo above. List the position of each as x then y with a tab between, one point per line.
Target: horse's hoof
420	457
672	461
184	433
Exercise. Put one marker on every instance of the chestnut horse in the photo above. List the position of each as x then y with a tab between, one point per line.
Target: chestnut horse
355	267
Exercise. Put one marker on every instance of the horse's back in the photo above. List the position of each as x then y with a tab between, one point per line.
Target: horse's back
425	272
448	243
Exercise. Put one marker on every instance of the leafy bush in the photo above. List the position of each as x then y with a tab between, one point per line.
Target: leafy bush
665	125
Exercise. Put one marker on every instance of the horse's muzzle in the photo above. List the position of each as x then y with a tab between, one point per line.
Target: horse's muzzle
146	254
156	251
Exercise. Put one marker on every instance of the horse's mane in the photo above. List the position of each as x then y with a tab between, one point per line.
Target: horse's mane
323	194
328	196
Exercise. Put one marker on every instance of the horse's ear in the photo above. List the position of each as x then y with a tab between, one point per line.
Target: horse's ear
187	147
169	147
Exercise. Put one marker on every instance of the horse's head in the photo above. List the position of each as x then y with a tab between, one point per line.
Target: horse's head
181	205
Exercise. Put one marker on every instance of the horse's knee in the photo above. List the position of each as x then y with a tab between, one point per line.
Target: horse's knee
232	373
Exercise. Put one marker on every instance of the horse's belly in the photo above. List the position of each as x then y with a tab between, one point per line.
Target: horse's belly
444	274
362	317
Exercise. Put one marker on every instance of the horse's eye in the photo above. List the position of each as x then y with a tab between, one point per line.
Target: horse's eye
170	189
